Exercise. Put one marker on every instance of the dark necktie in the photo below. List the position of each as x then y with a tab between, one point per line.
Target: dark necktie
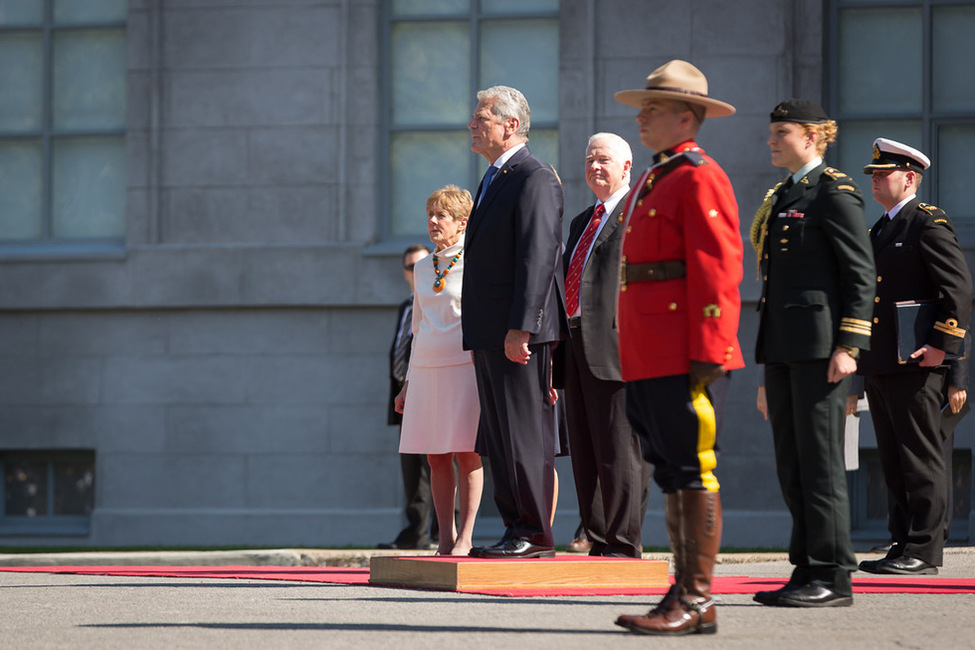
881	224
574	277
404	337
488	177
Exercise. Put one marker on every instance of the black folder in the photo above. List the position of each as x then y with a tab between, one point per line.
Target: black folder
915	320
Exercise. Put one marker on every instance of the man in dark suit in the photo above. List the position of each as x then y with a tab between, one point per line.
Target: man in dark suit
513	312
918	258
607	462
416	470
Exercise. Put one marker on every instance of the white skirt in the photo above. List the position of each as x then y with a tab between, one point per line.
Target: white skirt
441	411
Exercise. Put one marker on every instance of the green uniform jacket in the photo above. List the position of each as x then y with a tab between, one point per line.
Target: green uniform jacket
817	271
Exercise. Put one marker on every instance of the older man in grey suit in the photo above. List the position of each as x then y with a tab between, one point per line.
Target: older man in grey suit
611	475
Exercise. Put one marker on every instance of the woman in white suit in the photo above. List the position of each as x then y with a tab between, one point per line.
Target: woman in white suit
440	415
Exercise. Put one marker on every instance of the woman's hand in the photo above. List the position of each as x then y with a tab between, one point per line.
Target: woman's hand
553	396
399	402
761	402
851	404
841	364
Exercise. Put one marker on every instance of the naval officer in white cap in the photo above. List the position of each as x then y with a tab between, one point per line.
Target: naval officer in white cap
918	258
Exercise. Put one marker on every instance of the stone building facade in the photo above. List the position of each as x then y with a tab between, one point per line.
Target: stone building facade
223	367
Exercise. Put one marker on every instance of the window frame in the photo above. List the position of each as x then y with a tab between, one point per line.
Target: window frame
49	523
47	243
475	15
930	119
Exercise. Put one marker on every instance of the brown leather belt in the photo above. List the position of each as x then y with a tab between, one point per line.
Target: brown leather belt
651	272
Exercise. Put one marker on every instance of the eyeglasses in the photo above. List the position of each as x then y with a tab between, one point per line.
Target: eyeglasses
409	267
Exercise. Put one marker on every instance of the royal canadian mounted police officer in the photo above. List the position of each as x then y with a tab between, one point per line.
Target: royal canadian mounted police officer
678	321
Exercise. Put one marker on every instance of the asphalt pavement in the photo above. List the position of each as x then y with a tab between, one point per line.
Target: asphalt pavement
71	611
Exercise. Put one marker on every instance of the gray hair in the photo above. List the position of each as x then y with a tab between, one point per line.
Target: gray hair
620	147
509	102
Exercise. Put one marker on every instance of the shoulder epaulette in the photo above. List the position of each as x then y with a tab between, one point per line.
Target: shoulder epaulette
833	173
696	158
930	209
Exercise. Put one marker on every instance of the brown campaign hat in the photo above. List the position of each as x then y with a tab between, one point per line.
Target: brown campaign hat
677	81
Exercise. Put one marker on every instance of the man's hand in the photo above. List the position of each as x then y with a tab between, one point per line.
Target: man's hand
703	373
851	404
956	398
930	356
516	346
841	364
761	402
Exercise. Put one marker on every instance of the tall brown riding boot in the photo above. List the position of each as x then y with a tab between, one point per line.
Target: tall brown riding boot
673	517
688	607
702	535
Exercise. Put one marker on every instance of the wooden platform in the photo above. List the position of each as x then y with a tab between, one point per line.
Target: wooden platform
561	572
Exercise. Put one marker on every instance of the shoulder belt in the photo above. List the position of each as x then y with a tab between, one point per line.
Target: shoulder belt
685	157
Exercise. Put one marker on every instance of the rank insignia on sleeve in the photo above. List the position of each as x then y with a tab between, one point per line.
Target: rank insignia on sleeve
846	187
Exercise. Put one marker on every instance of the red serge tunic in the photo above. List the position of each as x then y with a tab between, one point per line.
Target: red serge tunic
689	214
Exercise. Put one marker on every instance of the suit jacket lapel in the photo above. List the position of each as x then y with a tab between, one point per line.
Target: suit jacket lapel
798	190
612	223
896	226
575	234
492	191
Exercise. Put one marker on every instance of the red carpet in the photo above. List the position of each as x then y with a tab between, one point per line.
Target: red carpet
360	576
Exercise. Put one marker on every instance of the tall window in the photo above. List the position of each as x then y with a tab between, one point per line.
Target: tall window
62	121
440	53
903	69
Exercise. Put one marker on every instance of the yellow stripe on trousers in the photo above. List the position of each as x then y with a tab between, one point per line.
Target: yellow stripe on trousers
706	433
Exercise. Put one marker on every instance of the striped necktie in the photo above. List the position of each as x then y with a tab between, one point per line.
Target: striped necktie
576	264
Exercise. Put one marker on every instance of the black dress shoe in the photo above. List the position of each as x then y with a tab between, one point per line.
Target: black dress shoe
772	597
514	548
812	595
903	565
477	550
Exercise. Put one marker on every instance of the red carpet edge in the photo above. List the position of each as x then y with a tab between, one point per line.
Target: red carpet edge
360	576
